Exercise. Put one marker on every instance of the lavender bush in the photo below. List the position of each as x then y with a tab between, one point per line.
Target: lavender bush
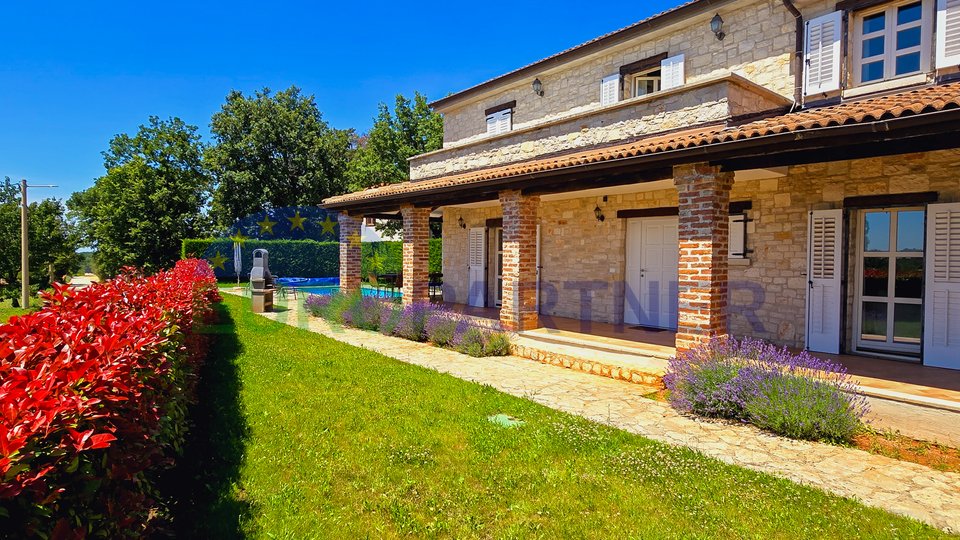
797	395
441	327
417	322
317	304
413	321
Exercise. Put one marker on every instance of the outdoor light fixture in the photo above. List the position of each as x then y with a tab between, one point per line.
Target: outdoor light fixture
599	214
538	87
461	223
716	26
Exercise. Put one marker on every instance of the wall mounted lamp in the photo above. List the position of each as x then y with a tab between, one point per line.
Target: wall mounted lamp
461	223
598	213
716	26
538	87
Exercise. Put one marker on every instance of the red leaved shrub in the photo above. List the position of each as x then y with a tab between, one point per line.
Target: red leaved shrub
94	390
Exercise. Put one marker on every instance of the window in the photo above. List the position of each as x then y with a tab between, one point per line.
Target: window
645	83
499	122
738	235
891	41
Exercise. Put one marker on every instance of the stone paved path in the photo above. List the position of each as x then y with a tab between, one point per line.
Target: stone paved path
896	486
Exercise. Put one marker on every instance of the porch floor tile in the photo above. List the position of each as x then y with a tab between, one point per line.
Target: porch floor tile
900	487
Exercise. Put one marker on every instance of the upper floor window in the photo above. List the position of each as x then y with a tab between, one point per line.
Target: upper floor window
500	118
646	82
891	41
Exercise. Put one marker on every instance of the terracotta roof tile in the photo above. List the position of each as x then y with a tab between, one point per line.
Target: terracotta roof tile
919	101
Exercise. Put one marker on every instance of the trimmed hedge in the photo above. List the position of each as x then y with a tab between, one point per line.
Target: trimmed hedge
307	258
288	258
390	255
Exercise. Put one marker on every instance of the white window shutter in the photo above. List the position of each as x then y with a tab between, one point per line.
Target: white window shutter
610	89
492	124
941	327
822	53
477	267
738	236
672	72
824	273
948	33
505	122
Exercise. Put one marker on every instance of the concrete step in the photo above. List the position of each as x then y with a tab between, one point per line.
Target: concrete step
628	364
600	343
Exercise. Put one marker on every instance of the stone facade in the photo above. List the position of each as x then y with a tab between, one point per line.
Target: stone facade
349	251
416	254
709	101
583	259
704	194
759	46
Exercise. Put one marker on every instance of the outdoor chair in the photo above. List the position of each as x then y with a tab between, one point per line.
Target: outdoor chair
436	286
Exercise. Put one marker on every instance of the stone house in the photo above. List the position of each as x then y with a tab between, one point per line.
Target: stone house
783	169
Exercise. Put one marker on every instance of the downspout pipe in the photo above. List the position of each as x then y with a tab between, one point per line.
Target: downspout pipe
798	54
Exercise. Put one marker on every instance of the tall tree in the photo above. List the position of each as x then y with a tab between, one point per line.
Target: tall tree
53	242
154	195
274	150
381	157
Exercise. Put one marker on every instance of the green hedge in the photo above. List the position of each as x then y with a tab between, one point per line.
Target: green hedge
288	258
390	257
306	258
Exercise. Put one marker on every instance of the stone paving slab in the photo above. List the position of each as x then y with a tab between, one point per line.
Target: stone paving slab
896	486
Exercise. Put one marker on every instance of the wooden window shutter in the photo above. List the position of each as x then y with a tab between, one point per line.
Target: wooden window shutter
477	267
822	53
505	122
672	72
610	89
824	299
492	124
948	33
738	236
941	332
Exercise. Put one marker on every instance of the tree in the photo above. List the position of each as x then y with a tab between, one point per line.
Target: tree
153	196
53	242
274	150
382	154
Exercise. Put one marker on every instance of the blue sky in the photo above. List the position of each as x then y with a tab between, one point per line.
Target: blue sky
73	74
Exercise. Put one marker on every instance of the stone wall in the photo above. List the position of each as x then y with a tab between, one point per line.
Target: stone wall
583	258
711	101
758	45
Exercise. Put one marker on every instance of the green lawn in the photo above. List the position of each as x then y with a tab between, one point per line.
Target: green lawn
299	436
6	311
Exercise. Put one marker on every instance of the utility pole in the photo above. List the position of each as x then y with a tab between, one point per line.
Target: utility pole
25	244
24	248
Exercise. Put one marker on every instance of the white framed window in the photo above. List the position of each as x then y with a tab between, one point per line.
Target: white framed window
500	122
647	82
891	41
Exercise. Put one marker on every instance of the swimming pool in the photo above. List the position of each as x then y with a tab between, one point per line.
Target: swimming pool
366	290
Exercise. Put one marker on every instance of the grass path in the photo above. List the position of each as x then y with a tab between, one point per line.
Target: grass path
300	436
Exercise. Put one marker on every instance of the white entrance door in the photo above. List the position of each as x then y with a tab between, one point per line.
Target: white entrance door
477	267
653	251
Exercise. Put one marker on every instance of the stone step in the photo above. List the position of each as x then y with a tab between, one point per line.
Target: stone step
631	365
600	343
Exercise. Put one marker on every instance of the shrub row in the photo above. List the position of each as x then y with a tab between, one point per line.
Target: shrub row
307	258
288	258
797	395
387	257
417	322
94	392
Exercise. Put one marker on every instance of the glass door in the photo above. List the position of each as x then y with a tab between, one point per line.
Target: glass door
889	284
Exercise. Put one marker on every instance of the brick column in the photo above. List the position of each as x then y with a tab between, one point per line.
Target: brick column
704	194
349	251
520	216
416	254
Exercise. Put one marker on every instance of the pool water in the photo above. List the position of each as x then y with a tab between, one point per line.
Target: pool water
367	291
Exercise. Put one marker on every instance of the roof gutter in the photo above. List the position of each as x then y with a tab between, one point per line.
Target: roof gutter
826	137
798	68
